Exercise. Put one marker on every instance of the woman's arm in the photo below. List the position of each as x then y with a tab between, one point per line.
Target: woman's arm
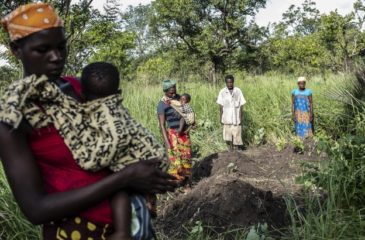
220	113
161	122
310	98
26	183
240	115
292	107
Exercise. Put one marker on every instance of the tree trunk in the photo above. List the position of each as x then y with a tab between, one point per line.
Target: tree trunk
212	78
214	75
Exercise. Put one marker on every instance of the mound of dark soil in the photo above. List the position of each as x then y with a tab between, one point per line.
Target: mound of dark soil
264	167
222	202
236	190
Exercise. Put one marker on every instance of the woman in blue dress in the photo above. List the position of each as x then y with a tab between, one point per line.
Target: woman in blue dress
302	109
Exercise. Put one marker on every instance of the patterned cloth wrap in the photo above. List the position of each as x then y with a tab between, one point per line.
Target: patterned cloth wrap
185	110
99	133
179	154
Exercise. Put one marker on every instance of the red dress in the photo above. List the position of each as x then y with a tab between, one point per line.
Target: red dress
59	170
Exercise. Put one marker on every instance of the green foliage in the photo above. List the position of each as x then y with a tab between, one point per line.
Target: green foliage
97	37
78	18
334	202
7	75
305	42
259	137
110	44
302	20
342	38
322	219
197	229
91	35
296	54
259	232
206	38
346	172
5	8
298	144
281	144
136	20
209	30
155	70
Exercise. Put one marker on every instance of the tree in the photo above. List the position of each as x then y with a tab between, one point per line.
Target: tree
359	15
359	12
136	20
5	8
75	16
342	38
78	20
209	30
296	54
107	42
293	45
91	36
305	40
302	20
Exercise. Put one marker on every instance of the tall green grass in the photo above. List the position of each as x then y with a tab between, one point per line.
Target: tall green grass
323	219
13	225
267	113
335	209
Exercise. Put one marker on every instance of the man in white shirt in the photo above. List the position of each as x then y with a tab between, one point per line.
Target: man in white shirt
231	100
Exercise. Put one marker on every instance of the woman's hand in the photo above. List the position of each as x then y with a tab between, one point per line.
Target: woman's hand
145	177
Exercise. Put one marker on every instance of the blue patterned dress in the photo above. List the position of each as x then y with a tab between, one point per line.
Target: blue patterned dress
303	124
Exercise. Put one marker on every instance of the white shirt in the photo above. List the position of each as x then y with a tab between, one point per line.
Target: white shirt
231	103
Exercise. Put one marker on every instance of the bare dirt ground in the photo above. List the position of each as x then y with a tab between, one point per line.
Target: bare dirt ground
236	190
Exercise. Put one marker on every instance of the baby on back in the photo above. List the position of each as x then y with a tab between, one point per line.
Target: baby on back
186	112
101	80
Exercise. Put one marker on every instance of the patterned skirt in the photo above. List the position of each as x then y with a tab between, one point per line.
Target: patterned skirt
81	229
75	229
303	125
179	154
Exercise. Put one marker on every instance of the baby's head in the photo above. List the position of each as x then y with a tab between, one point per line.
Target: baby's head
98	80
185	98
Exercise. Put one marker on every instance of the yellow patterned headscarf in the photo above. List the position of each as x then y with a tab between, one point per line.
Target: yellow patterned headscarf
30	18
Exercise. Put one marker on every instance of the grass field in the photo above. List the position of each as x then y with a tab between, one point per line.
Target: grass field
267	118
267	114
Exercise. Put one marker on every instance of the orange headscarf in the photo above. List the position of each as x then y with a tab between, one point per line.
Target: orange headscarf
30	18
